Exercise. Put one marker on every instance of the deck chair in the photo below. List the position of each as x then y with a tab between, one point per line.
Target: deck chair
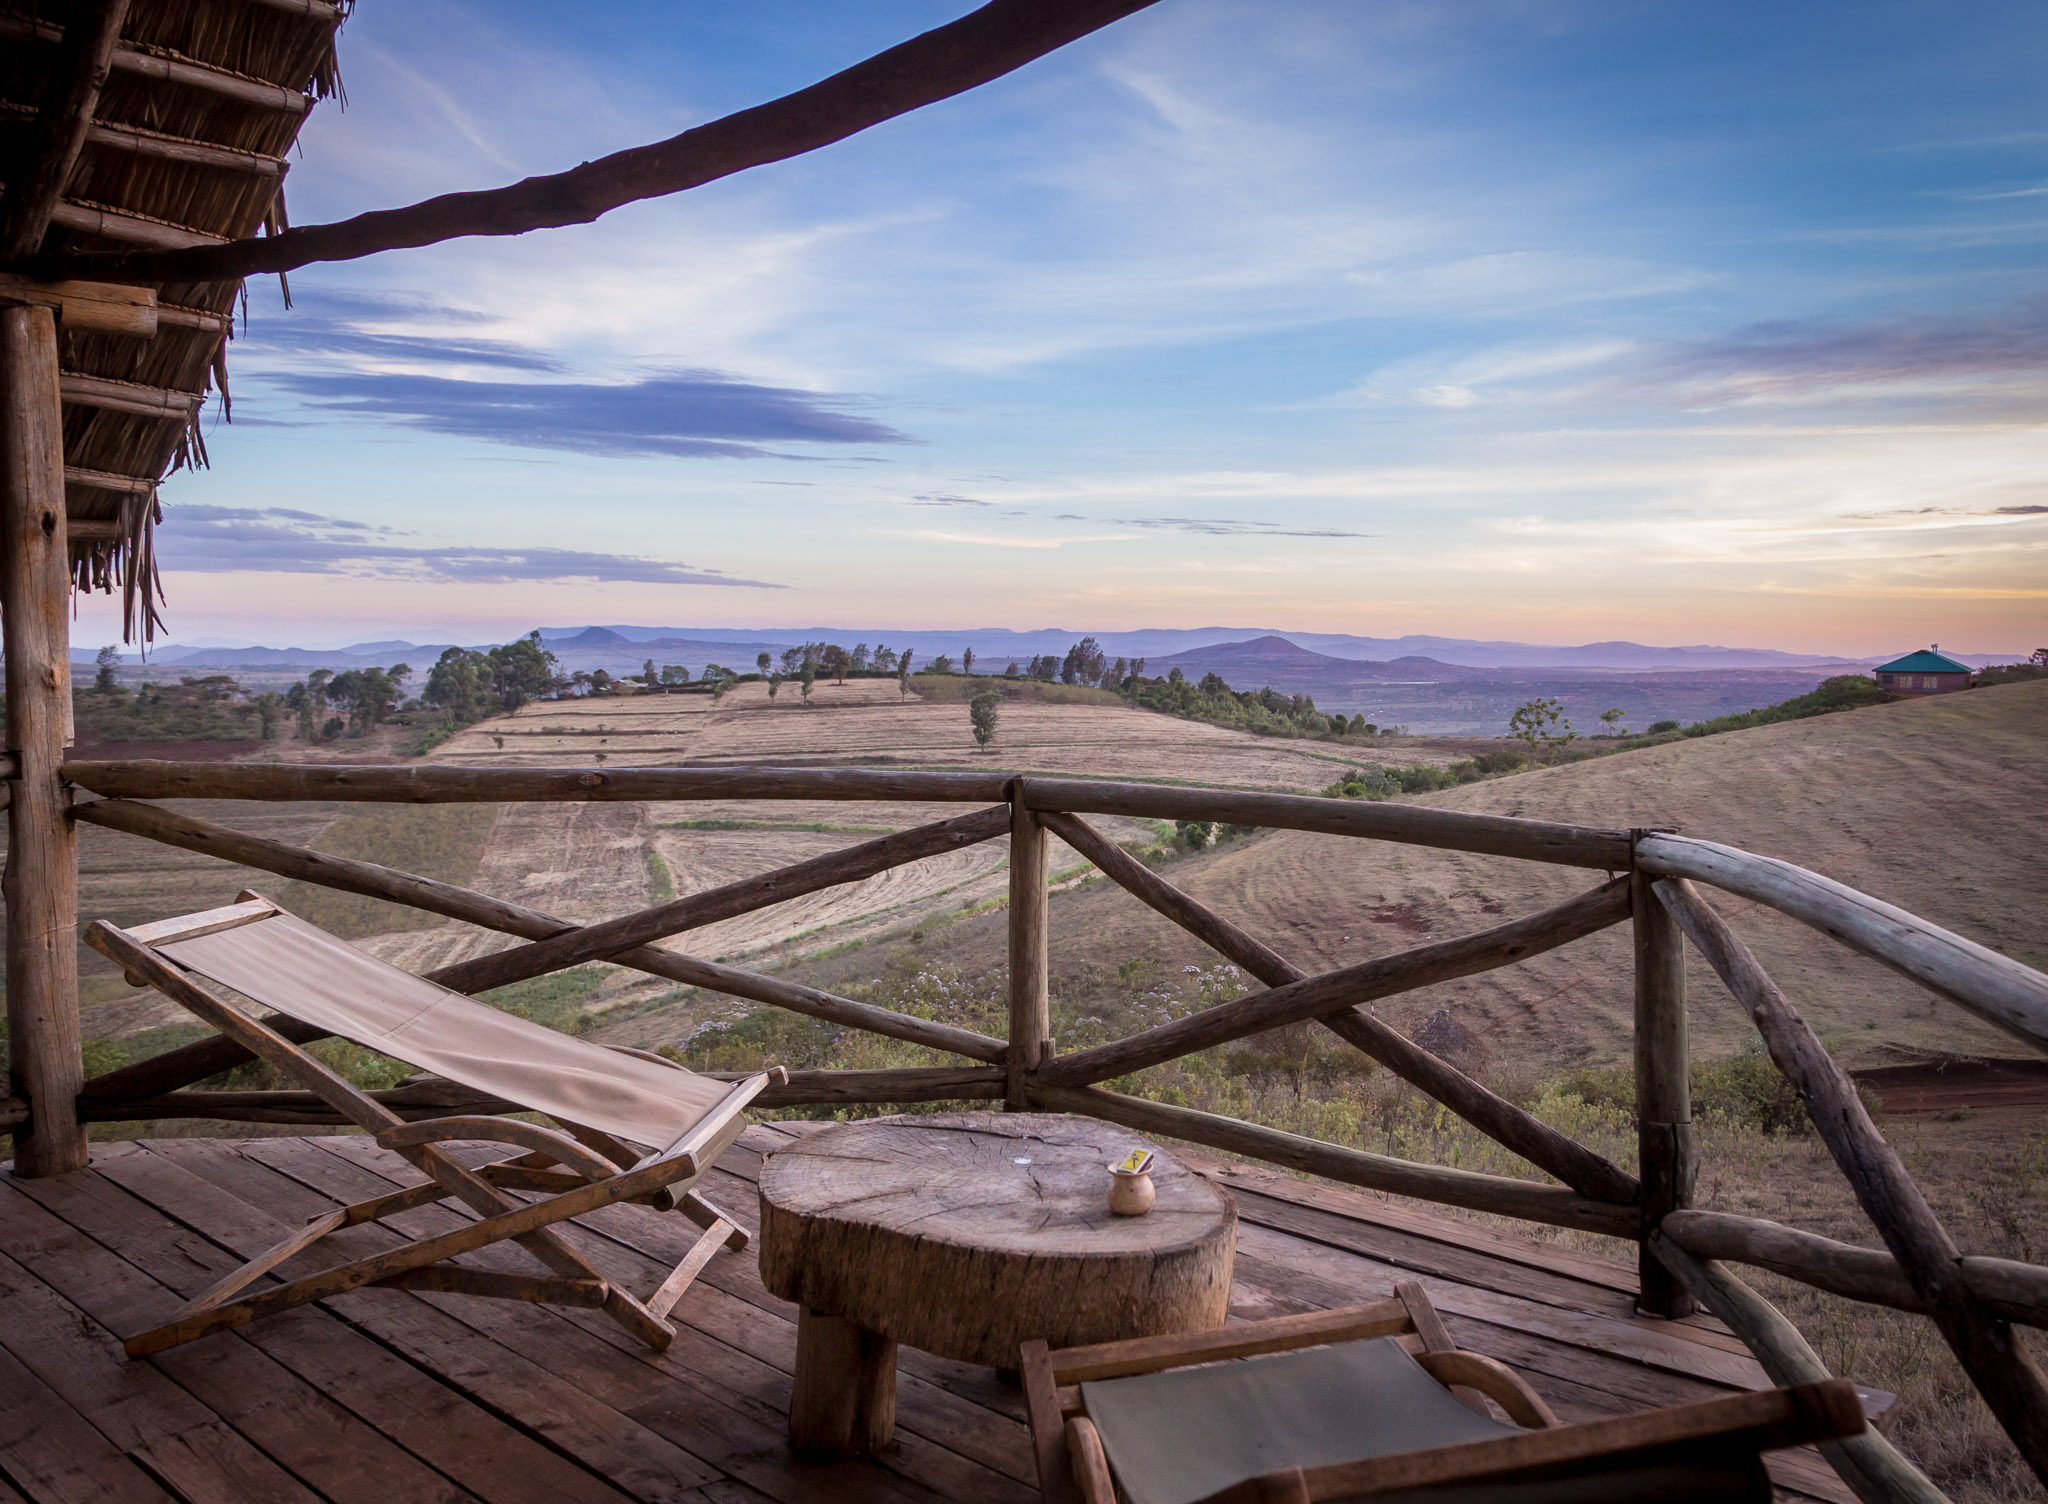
639	1128
1376	1402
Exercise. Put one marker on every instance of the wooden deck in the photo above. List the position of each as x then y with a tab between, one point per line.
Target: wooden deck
395	1397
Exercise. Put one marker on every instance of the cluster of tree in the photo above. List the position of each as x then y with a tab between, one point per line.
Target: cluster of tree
213	707
1264	711
1085	664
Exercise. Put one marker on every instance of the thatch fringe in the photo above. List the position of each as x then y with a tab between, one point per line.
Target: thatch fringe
281	47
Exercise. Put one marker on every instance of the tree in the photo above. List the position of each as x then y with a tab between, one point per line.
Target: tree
859	662
967	660
1532	721
1137	668
809	679
1613	719
2039	656
885	659
269	711
104	682
1084	663
523	670
774	684
763	661
792	660
1118	672
982	710
1011	671
674	675
903	675
837	662
600	682
649	677
940	665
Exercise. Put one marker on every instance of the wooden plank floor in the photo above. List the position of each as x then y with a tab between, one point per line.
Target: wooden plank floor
400	1397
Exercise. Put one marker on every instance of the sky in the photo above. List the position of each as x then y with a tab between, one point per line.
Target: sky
1553	322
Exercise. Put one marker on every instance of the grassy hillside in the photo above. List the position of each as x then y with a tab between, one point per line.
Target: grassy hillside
1935	805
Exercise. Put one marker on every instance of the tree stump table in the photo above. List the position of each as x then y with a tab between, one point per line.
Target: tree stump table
967	1236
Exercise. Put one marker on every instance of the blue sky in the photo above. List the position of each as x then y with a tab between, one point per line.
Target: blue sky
1555	322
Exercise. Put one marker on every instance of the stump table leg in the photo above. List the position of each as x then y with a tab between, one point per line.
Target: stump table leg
843	1403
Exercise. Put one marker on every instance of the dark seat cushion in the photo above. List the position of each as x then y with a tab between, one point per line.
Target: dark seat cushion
1179	1436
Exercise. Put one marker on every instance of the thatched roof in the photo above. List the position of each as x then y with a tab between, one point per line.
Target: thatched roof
186	148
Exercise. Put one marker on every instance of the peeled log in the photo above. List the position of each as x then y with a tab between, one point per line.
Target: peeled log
930	1232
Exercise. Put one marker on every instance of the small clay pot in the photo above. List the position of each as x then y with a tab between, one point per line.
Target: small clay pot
1131	1195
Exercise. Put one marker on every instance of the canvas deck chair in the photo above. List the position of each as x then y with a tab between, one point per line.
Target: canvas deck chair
1377	1402
609	1101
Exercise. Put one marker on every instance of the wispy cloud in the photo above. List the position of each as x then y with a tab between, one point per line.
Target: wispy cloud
213	540
1226	527
693	414
948	501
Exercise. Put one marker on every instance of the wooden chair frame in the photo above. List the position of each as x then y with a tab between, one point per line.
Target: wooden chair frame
1072	1465
581	1168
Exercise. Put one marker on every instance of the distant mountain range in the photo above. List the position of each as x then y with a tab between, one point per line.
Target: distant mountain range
621	648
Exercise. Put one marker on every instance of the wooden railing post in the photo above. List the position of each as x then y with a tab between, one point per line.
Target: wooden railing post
1667	1158
42	868
1030	1010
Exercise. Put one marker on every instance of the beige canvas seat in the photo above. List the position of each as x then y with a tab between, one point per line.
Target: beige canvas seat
1377	1402
638	1128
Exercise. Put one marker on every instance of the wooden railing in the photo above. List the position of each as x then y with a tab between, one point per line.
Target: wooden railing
1648	883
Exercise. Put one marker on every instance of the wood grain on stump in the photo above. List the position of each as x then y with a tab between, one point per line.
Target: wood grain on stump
967	1235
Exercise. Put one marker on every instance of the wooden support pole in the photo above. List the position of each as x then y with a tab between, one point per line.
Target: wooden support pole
1030	1004
42	866
1866	1462
1667	1161
2004	1372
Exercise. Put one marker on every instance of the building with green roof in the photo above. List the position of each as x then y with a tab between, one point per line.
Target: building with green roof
1928	672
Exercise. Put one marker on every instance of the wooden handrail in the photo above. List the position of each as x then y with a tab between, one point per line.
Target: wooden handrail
1983	1342
433	783
1996	988
1411	824
1348	986
438	1099
2017	1291
1577	1166
1557	1205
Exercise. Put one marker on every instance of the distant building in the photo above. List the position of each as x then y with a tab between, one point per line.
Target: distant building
1931	672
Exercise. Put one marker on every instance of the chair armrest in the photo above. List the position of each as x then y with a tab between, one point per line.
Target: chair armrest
1091	1463
1495	1380
1244	1339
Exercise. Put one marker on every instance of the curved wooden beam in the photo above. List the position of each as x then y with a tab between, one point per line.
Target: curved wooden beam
2017	1291
1869	1464
996	39
1996	988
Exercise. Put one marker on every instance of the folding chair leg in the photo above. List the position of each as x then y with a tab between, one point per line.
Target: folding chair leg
705	1215
718	1235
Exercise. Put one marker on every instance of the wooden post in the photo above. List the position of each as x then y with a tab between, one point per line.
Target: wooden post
1668	1161
1030	1013
843	1401
41	885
